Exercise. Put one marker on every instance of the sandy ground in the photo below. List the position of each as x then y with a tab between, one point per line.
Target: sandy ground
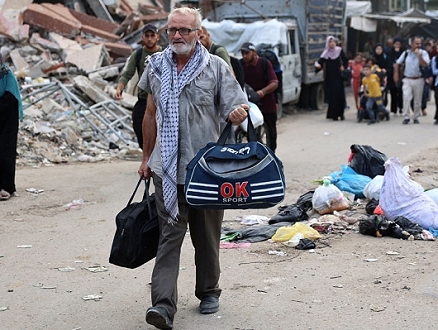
47	248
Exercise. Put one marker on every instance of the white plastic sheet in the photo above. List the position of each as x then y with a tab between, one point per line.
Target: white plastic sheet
401	196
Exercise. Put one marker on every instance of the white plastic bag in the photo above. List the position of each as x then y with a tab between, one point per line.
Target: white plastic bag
372	189
401	196
433	193
256	117
328	198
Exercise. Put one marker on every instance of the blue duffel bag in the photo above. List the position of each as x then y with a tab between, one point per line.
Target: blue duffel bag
235	176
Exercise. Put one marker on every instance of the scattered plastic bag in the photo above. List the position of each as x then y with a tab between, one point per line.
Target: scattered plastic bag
379	226
366	160
378	210
250	220
34	190
305	200
277	253
348	180
284	234
434	232
372	189
328	198
305	244
371	206
295	240
433	193
289	213
401	196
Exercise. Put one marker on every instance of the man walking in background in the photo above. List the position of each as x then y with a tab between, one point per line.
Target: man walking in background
136	62
260	75
212	47
413	81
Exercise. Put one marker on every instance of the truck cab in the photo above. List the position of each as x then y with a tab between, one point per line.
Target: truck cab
290	61
280	37
302	27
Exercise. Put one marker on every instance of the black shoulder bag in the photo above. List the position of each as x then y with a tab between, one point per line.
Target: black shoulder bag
136	239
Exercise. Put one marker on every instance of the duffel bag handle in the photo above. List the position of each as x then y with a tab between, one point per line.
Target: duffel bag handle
145	195
252	135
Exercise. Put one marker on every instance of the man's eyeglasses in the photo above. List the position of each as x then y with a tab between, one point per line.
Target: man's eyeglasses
182	31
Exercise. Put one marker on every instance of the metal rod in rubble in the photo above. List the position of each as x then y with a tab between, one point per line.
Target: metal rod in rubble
50	88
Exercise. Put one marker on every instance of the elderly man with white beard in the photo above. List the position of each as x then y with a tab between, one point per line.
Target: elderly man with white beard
189	91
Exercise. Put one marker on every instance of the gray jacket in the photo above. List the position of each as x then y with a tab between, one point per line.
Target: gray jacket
207	98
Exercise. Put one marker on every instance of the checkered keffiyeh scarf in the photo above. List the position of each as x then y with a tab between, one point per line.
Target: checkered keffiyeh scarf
164	67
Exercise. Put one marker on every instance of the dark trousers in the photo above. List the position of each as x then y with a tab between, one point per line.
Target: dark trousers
270	120
396	99
205	231
436	103
8	141
425	96
137	119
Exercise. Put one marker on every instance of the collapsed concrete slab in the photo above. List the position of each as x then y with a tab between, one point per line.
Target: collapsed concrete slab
49	18
90	58
100	27
19	62
39	42
89	89
11	25
67	45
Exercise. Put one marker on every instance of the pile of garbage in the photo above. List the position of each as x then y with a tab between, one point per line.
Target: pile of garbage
394	205
67	60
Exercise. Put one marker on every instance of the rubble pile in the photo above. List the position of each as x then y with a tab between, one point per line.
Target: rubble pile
67	62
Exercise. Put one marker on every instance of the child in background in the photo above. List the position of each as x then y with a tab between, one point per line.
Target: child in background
371	84
378	71
356	79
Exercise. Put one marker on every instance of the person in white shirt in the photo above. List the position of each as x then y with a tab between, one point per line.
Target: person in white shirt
413	81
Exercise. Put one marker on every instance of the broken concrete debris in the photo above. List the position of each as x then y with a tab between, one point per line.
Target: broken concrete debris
67	62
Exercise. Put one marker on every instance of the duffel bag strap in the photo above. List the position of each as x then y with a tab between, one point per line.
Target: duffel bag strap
135	190
148	197
145	195
251	132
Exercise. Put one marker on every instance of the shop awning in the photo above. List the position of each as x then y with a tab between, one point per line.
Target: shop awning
399	19
361	18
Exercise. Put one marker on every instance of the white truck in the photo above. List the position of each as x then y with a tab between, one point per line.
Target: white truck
296	30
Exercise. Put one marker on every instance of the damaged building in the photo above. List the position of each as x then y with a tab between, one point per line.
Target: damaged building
67	56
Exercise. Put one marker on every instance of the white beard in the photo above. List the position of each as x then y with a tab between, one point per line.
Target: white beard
183	49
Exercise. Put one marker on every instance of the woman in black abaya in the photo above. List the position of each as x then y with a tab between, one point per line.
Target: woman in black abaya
333	61
10	112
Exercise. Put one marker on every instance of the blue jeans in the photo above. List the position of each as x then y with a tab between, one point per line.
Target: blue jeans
370	105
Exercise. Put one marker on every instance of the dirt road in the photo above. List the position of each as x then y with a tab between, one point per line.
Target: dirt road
48	248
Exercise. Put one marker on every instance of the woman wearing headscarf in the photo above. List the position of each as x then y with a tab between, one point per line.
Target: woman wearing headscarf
380	56
394	89
10	112
382	62
333	61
